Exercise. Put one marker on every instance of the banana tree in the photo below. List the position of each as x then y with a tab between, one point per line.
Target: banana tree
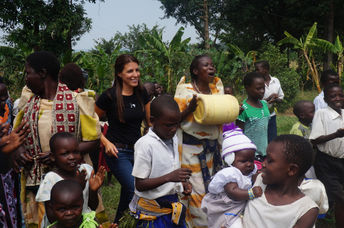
335	48
99	65
245	59
305	44
166	53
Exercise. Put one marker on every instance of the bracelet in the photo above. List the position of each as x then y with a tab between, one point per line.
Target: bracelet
251	195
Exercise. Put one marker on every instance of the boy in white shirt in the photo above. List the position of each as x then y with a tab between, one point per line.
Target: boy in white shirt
157	172
328	135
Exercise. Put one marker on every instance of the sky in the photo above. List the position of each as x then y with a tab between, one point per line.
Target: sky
116	15
111	16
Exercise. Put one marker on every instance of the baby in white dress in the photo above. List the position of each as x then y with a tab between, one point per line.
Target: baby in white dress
231	187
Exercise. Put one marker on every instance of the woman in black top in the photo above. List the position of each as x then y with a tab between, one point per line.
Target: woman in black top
126	104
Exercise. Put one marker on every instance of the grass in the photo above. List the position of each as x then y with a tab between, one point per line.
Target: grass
285	121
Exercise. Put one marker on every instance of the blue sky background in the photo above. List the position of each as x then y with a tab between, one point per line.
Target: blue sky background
116	15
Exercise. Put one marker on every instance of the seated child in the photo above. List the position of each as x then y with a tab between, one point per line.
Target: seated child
282	203
304	111
254	118
231	187
157	172
67	161
328	135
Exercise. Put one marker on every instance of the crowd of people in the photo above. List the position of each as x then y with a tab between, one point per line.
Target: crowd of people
173	170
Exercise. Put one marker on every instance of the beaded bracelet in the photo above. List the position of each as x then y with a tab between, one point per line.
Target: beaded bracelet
251	195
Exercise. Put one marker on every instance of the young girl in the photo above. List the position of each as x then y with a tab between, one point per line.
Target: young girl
255	116
282	204
66	205
67	159
231	187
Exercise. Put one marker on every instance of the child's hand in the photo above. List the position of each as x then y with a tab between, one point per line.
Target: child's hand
241	109
179	175
257	191
187	188
97	180
81	177
45	158
340	132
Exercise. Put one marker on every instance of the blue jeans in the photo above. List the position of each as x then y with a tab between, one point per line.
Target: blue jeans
121	168
272	128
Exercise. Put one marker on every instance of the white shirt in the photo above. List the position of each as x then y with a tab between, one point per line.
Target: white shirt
260	213
319	101
153	158
274	86
327	121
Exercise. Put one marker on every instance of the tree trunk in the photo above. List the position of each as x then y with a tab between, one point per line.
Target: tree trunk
206	25
330	33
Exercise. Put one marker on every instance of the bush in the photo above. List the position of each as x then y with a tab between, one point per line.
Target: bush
290	84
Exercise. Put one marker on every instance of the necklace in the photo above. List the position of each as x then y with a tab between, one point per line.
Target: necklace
198	90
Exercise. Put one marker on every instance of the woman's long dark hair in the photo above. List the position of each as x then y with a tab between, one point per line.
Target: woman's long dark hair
121	61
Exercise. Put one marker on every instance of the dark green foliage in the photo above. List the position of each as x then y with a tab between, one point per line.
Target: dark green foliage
44	25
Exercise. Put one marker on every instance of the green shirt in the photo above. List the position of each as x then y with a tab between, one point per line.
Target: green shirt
256	125
301	130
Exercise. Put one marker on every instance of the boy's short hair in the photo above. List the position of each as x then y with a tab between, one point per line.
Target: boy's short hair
67	186
265	64
299	107
297	150
55	137
162	103
325	74
249	78
329	87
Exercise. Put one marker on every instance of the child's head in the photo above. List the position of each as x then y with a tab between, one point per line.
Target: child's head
238	151
333	96
304	110
150	88
329	77
229	90
66	203
254	85
3	95
65	151
71	75
262	67
165	116
288	156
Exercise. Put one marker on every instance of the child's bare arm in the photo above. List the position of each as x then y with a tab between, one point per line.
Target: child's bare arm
178	175
238	194
307	220
325	138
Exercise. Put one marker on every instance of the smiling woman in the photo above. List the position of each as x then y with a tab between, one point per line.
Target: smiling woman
126	104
